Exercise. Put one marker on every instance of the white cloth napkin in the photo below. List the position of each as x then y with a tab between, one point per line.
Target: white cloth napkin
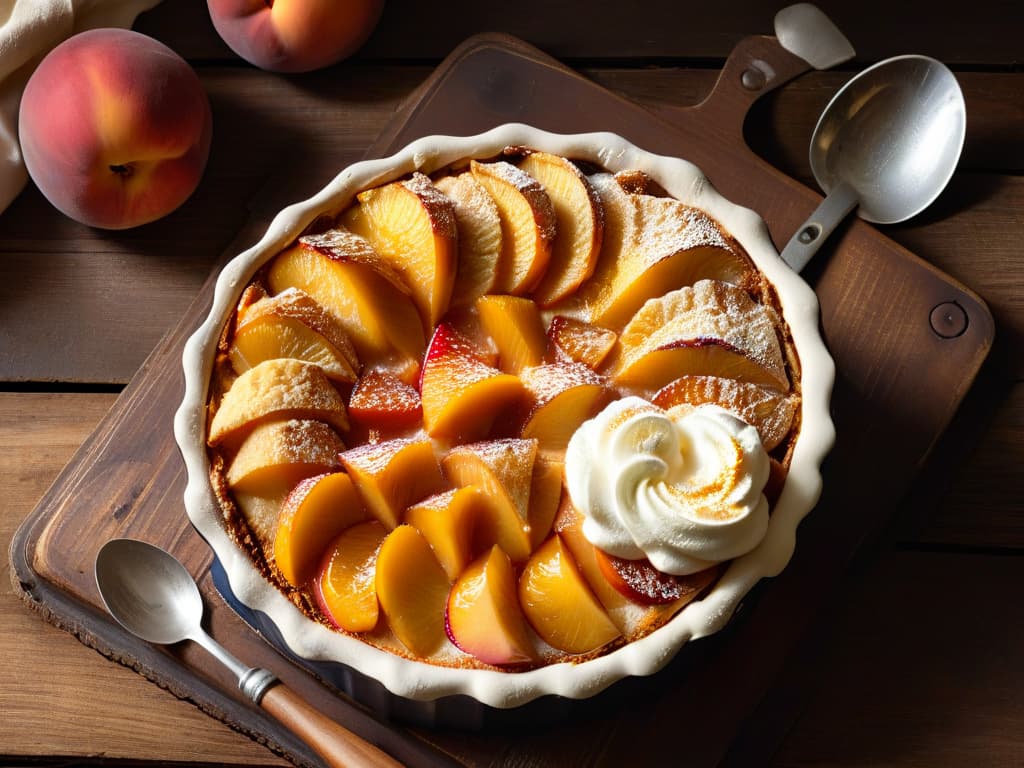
29	29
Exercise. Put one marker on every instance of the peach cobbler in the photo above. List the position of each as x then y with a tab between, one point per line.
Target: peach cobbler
516	412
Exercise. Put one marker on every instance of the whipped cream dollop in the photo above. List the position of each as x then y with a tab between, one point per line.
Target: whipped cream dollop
683	488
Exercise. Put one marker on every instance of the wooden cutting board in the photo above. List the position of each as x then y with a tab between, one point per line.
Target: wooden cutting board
906	338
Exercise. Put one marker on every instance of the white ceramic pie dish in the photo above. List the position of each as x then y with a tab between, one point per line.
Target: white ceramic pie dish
420	681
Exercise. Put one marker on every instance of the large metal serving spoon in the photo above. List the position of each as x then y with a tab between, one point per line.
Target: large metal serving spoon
886	144
153	596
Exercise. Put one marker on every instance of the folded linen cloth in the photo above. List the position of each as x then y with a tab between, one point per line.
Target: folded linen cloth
29	29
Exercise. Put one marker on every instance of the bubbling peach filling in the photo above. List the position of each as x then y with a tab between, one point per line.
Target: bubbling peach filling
396	406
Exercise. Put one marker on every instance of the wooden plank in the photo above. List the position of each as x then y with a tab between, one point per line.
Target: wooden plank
409	30
921	667
48	676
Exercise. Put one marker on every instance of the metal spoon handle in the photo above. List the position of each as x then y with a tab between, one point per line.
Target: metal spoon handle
810	236
338	747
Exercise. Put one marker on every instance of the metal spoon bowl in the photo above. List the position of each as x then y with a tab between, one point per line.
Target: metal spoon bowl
886	144
153	596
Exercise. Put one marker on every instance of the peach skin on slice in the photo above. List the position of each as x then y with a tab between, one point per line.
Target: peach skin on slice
479	226
528	224
709	328
461	394
392	475
664	244
447	521
564	395
515	326
413	590
316	510
558	603
641	582
345	588
770	411
575	340
271	460
293	325
278	390
382	400
503	471
411	224
483	617
345	275
579	225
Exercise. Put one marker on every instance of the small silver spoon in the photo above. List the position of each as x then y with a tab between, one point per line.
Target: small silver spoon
887	144
154	597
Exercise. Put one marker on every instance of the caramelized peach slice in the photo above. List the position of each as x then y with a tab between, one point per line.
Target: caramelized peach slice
656	244
277	390
271	460
345	588
390	476
527	224
641	582
763	407
461	394
479	226
447	521
579	225
316	510
515	326
483	617
578	341
709	328
411	224
545	497
564	396
384	401
558	603
503	471
293	325
413	590
346	276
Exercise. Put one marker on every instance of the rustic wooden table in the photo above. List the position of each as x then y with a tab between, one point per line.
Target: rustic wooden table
918	659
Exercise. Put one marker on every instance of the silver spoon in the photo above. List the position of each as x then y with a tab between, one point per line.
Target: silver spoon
154	597
887	144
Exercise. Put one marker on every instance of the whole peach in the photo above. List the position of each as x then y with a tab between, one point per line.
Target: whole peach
114	128
294	35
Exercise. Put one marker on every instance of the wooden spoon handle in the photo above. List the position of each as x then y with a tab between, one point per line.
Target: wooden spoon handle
338	746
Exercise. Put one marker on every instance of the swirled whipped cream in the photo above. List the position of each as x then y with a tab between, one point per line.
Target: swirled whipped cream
682	487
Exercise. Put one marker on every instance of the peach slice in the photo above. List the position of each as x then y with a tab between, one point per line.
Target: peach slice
558	603
271	460
346	276
709	328
293	325
413	590
447	520
390	476
503	471
564	396
578	341
654	245
345	588
278	390
641	582
411	224
763	407
528	224
461	394
479	227
316	510
483	617
384	401
545	497
579	225
515	326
